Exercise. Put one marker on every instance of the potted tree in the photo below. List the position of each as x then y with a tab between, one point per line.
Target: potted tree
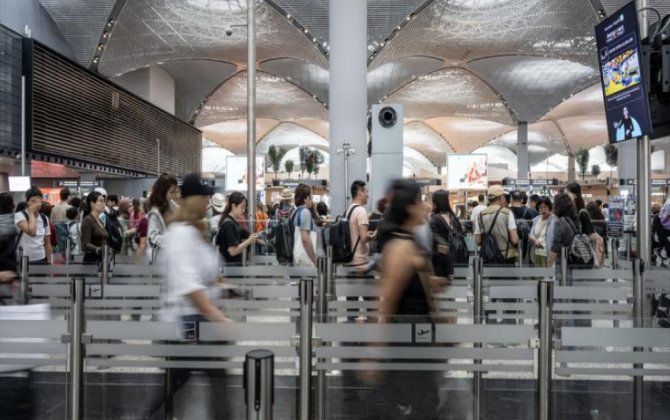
288	166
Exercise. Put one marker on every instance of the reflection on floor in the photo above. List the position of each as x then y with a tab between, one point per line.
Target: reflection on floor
127	397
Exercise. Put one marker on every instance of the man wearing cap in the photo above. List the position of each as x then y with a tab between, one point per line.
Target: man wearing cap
286	204
504	231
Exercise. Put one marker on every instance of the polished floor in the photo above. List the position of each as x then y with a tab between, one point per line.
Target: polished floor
126	396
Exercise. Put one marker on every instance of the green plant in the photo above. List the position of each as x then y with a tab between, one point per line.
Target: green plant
582	160
595	170
304	153
275	155
288	166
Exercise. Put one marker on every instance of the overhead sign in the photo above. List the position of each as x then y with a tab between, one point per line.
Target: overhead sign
19	183
619	55
467	172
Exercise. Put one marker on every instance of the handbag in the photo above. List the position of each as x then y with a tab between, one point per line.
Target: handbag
300	256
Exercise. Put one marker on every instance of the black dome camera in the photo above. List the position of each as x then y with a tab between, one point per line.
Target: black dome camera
388	117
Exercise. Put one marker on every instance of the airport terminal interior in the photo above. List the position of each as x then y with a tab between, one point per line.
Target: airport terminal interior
335	209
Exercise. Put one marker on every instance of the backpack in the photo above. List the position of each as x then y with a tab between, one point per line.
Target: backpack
523	226
661	310
63	234
338	236
114	230
580	251
489	251
283	235
458	249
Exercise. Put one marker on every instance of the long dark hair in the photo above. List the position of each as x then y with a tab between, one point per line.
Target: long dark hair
406	193
158	192
235	198
576	189
441	202
90	199
564	207
302	192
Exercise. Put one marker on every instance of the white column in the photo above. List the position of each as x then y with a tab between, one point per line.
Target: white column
348	95
627	163
522	150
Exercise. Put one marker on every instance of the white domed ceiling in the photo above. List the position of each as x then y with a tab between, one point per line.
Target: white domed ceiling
466	71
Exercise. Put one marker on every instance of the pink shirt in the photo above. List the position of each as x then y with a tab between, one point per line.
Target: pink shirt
358	217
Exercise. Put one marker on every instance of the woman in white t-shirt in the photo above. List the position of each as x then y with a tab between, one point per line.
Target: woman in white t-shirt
538	234
192	268
34	229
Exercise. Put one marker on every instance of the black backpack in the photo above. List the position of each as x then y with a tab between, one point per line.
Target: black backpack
523	226
114	230
338	236
283	235
489	251
458	249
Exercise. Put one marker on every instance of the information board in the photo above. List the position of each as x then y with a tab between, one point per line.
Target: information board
619	56
237	176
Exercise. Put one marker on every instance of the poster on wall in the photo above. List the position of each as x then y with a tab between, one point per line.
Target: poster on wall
615	212
630	213
237	177
467	172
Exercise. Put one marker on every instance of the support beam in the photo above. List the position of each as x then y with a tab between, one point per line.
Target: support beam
572	172
522	150
348	95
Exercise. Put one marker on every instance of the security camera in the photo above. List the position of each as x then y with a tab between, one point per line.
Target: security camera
229	31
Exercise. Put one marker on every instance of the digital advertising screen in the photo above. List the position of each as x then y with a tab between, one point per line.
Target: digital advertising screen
237	176
619	56
467	172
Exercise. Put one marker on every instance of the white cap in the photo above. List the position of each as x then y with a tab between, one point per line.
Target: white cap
101	190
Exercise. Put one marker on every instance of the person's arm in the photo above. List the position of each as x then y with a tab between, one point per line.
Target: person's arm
154	230
48	249
363	234
206	307
86	237
29	227
396	274
235	248
307	244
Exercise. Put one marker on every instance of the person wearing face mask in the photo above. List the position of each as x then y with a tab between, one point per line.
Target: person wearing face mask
34	231
163	192
93	233
538	234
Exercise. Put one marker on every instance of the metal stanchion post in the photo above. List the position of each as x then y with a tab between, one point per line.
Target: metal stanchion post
330	276
545	358
321	312
478	315
105	270
519	250
25	280
564	266
615	253
76	350
245	255
306	298
259	384
638	322
68	252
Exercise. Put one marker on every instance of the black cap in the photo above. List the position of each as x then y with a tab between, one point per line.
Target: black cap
193	185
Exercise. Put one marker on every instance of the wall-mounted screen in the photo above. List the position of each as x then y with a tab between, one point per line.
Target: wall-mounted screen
626	102
467	172
237	177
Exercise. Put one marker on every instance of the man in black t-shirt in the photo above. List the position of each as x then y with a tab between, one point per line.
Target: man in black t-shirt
523	216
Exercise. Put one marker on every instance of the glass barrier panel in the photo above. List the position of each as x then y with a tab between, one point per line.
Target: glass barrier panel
424	367
33	362
596	368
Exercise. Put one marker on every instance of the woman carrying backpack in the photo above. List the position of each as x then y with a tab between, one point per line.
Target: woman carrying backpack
566	228
232	240
448	231
163	192
574	192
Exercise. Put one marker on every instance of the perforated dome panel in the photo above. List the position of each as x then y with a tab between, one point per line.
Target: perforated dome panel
289	136
148	31
275	99
427	141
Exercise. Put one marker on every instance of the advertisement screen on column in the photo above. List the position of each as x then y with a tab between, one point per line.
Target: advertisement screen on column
237	177
467	172
626	102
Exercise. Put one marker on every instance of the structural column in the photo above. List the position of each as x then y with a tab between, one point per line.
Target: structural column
522	150
348	95
627	164
643	172
572	173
